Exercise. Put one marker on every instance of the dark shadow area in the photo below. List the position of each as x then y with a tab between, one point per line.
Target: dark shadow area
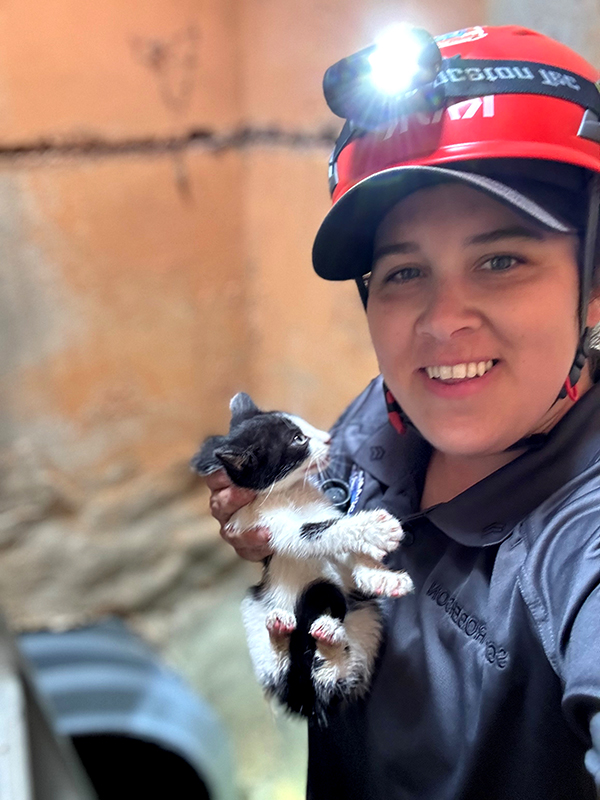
121	767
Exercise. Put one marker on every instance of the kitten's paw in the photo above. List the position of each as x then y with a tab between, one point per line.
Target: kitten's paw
280	623
380	534
327	630
382	582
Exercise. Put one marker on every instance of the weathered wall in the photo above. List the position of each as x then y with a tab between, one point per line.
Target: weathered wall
162	175
123	291
112	367
75	70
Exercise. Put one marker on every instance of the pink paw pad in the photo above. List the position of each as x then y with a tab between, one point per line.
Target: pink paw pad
326	632
278	626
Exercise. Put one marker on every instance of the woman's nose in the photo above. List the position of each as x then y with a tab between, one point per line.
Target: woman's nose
448	311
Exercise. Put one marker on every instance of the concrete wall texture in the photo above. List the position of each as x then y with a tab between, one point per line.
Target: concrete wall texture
162	176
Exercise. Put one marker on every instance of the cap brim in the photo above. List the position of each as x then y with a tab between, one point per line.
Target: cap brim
343	246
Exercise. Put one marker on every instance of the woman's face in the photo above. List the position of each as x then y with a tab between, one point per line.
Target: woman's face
463	285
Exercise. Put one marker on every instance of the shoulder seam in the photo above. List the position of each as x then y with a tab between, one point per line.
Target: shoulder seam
547	641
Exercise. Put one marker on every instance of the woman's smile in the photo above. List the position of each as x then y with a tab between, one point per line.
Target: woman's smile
466	369
459	380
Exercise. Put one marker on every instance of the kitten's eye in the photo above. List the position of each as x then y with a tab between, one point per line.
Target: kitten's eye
300	438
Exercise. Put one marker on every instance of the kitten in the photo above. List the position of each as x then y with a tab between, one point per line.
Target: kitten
313	623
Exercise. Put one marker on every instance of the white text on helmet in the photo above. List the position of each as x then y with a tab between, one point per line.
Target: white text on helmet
471	74
468	108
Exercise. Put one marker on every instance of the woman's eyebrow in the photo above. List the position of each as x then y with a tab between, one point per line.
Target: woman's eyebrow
513	232
400	248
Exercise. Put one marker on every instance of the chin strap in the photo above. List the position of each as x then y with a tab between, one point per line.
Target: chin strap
396	416
569	388
586	272
363	290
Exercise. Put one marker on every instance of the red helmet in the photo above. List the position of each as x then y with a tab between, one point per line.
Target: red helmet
510	93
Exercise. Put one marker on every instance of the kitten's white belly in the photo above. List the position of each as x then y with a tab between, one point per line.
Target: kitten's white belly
289	578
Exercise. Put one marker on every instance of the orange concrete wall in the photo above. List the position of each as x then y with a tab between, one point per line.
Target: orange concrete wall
149	270
287	46
309	336
78	70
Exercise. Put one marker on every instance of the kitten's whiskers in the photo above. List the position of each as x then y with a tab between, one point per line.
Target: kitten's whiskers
267	494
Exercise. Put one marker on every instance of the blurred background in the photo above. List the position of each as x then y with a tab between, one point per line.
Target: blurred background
163	171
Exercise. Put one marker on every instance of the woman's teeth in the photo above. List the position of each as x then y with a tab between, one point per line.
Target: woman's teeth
472	369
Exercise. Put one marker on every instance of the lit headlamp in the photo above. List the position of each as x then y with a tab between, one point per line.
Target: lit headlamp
389	79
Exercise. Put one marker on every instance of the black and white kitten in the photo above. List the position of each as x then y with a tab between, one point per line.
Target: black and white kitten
313	622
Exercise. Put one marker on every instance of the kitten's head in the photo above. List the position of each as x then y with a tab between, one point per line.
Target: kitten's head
263	447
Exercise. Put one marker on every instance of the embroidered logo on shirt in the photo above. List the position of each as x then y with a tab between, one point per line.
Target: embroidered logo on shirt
494	527
377	453
474	628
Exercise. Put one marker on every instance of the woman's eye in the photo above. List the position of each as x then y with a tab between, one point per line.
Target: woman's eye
403	275
500	263
300	438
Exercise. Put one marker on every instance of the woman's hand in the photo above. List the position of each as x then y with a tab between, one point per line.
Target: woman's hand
225	500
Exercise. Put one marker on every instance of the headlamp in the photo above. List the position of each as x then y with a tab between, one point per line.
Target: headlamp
393	77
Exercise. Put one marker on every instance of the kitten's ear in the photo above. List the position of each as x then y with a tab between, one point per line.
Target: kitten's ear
234	460
242	407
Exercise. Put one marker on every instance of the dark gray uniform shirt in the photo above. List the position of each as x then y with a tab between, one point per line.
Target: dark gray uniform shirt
489	681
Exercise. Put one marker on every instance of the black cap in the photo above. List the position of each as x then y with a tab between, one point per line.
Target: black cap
552	195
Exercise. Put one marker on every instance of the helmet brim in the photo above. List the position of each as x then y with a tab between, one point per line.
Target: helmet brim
343	247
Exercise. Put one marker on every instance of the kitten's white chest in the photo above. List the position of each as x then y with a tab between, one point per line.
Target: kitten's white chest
288	508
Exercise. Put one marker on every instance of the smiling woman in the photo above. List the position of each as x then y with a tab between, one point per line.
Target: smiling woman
460	280
472	238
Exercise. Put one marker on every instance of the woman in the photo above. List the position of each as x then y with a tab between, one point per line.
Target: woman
477	227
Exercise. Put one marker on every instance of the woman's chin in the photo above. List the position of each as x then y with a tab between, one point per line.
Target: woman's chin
465	440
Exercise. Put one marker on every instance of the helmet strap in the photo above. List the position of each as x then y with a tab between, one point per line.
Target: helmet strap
586	271
569	388
398	419
363	290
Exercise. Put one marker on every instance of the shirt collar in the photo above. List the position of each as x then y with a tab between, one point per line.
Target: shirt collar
487	512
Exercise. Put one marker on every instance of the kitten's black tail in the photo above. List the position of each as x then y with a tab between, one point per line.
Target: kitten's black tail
318	599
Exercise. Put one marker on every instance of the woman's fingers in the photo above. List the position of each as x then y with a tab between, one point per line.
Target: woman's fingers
225	500
252	544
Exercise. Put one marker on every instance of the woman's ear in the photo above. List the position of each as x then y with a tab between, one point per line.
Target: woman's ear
593	315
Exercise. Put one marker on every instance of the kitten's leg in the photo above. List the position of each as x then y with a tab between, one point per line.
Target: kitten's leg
328	631
269	654
371	533
381	582
346	671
